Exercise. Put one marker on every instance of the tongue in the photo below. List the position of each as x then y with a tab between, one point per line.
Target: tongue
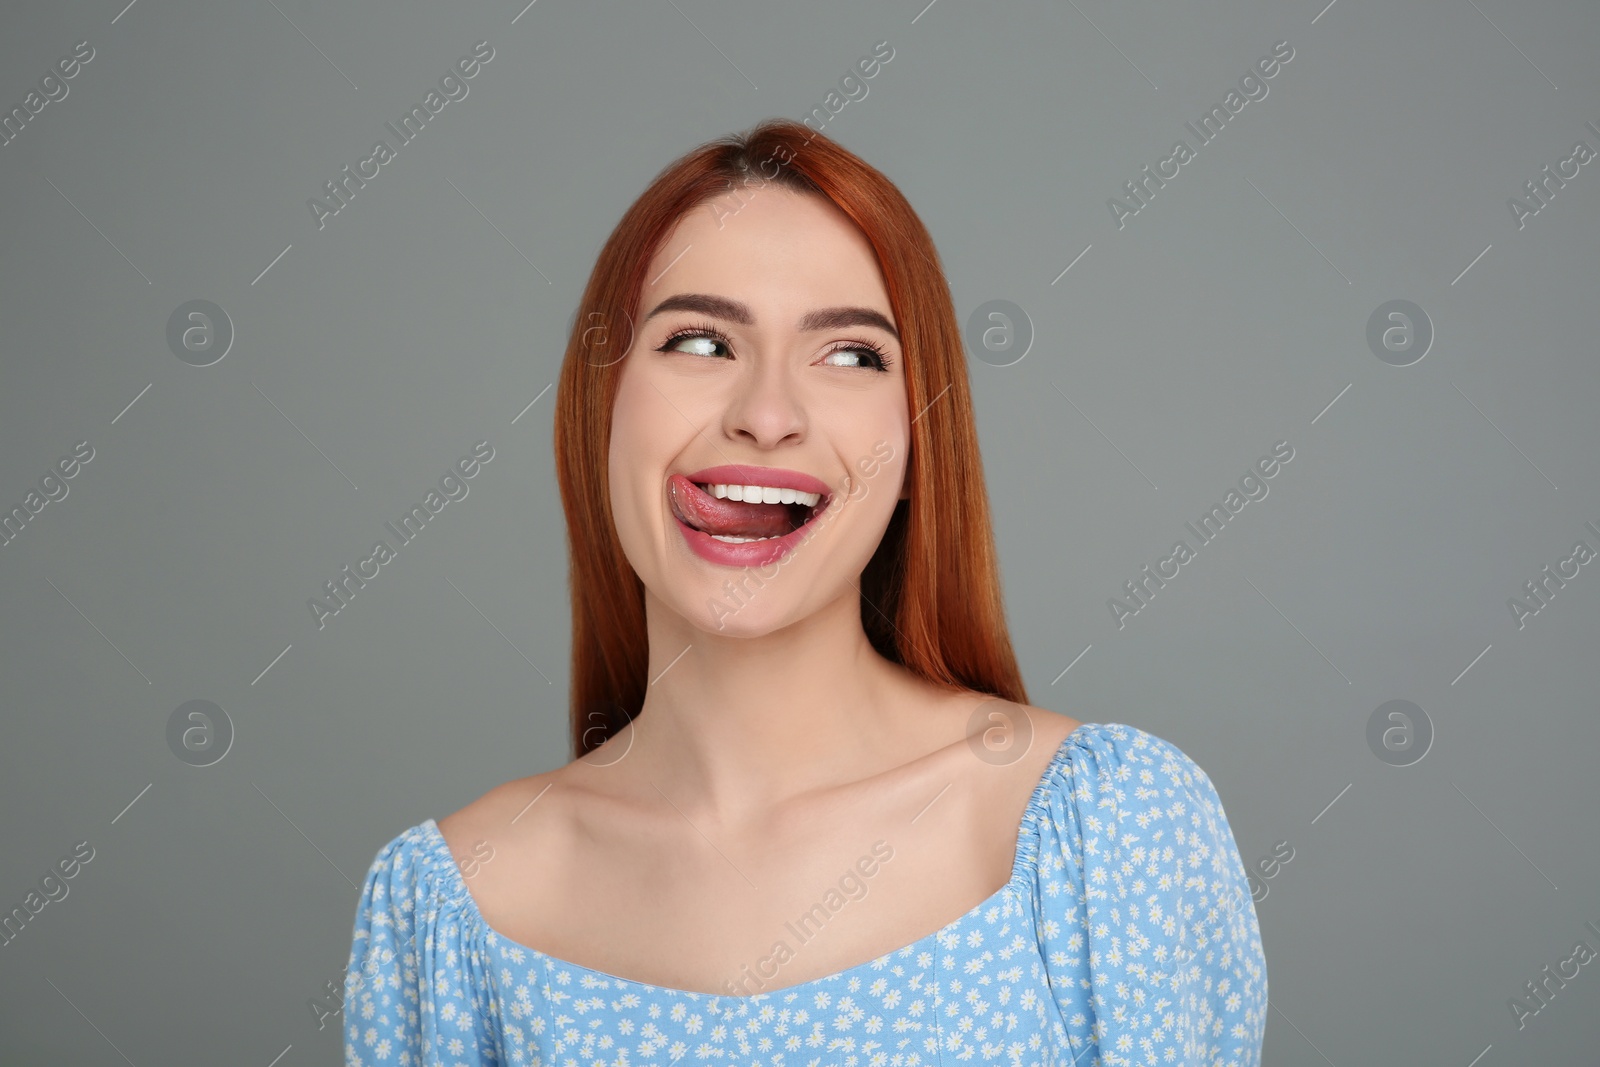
731	518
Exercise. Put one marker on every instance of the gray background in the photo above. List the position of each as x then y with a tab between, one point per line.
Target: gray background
1229	314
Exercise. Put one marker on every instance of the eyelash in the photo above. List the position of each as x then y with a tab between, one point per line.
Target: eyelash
885	361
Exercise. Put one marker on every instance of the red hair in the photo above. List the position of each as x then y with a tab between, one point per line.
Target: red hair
930	595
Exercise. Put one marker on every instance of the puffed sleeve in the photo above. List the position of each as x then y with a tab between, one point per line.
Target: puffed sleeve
1149	936
415	994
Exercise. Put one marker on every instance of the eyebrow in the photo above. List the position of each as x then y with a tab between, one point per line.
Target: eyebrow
821	319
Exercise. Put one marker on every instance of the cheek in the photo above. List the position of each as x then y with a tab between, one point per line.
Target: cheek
643	410
881	457
875	480
632	419
623	458
645	433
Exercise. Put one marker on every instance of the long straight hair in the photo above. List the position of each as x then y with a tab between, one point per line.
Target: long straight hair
930	595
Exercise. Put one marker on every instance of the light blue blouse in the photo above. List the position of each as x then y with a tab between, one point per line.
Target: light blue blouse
1126	935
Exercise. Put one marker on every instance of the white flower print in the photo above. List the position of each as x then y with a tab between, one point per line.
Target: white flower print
1125	936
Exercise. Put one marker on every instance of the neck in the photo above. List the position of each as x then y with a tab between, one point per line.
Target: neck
732	727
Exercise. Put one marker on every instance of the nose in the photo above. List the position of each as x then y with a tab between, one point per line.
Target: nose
766	408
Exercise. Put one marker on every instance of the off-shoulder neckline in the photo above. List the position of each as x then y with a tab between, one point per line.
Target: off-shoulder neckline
1026	856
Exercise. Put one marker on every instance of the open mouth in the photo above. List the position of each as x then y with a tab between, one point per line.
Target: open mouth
738	514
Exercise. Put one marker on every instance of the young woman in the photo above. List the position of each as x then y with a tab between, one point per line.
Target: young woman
810	817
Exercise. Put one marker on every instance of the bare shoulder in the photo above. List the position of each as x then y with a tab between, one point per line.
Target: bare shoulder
999	759
1051	727
1000	751
1007	733
1045	733
511	810
1014	745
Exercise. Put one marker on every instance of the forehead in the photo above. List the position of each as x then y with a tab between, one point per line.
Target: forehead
768	246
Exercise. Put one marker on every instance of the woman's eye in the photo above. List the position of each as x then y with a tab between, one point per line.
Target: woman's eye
863	357
708	345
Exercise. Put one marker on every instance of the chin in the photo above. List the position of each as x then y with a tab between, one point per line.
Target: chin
762	611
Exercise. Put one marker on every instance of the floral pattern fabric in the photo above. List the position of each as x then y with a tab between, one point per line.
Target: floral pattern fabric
1125	937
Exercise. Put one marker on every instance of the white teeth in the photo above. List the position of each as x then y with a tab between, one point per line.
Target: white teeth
738	540
763	494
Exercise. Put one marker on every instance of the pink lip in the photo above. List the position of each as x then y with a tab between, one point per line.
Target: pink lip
751	553
776	477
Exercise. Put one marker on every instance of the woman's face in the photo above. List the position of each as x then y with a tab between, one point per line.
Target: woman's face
753	347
